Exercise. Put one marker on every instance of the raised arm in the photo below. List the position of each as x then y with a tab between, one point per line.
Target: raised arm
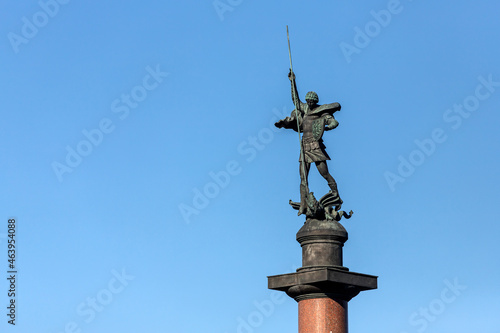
295	94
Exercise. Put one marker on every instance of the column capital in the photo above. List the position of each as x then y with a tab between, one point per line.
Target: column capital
322	282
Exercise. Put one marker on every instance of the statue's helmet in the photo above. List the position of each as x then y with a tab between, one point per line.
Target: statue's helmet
312	96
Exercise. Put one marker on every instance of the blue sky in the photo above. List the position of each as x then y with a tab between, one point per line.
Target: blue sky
151	191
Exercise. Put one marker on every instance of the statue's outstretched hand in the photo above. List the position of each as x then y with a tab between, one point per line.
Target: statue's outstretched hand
291	75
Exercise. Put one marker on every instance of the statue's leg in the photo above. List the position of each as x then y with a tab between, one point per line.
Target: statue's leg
323	170
304	186
304	173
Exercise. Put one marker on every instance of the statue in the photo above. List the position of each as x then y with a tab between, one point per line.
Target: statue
312	119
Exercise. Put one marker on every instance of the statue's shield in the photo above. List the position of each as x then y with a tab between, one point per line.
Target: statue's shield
318	128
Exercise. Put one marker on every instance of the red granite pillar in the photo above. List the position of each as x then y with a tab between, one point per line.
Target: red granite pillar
322	315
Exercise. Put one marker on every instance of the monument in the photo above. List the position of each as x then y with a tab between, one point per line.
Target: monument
323	285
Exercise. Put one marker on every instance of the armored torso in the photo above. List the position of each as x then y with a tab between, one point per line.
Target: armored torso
312	128
307	125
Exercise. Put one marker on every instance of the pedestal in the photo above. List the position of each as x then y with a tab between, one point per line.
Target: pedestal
322	286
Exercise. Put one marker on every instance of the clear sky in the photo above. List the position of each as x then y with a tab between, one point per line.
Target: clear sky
150	189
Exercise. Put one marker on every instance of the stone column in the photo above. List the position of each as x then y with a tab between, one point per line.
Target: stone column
322	315
322	286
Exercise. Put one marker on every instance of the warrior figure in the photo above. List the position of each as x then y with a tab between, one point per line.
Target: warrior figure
313	120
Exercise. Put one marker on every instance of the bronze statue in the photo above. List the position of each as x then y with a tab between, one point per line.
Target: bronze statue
312	120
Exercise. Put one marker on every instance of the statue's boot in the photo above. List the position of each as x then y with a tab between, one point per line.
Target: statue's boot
303	200
335	193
